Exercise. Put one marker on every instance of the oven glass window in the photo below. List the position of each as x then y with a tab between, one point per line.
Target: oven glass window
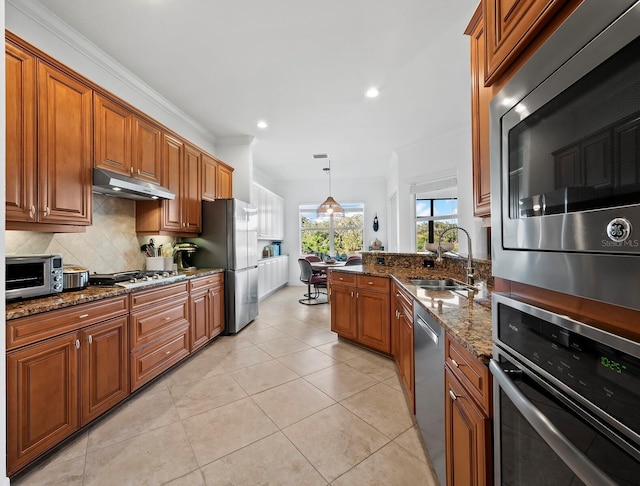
580	151
527	460
25	276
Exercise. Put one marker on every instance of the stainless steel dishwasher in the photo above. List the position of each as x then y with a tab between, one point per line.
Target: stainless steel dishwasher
429	386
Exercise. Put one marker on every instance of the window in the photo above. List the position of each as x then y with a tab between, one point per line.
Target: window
331	236
433	216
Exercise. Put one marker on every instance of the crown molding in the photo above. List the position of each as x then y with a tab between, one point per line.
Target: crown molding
57	27
236	140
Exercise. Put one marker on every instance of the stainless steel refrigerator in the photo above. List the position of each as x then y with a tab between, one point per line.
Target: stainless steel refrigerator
229	239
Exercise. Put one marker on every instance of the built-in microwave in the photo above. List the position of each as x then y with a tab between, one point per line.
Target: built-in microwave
29	276
565	159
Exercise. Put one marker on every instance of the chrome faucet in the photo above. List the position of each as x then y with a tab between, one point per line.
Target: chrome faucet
470	269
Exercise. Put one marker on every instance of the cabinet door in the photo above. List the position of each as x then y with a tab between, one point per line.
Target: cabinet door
343	311
480	98
42	398
199	318
191	205
147	150
467	434
373	320
510	26
407	362
112	136
64	147
224	185
209	170
172	152
21	189
105	367
216	303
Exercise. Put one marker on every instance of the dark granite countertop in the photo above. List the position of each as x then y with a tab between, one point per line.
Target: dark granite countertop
23	308
466	320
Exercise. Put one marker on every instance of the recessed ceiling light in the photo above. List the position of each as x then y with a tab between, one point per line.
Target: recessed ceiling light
372	93
262	124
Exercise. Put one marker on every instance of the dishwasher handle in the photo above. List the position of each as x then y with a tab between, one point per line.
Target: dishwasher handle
433	335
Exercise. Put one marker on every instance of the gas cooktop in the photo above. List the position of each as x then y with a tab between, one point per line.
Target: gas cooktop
134	278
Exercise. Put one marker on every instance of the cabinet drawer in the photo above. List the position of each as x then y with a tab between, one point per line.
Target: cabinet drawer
373	283
158	295
198	283
342	278
471	373
404	300
154	322
151	361
28	330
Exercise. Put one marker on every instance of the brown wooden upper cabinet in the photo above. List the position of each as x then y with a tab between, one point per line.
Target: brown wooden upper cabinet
224	182
181	175
511	25
480	98
125	143
48	146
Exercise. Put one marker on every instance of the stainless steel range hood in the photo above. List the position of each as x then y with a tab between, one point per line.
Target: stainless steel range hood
117	185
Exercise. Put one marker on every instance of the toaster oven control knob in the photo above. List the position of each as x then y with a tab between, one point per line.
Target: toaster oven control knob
619	229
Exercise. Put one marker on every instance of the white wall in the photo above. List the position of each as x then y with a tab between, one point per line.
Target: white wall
369	191
238	153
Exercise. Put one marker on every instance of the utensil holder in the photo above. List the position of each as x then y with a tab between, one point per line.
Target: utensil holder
155	263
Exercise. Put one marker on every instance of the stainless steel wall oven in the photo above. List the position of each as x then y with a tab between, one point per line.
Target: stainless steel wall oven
566	399
565	159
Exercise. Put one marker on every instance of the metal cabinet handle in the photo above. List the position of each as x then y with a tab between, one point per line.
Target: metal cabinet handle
452	395
340	278
82	316
77	344
32	212
370	283
47	211
131	170
455	363
168	352
139	172
90	339
167	318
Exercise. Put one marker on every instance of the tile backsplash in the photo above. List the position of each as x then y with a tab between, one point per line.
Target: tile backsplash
109	245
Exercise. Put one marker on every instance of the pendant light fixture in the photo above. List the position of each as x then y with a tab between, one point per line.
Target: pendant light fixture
330	207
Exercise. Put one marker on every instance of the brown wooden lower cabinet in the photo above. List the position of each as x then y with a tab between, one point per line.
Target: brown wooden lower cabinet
468	411
159	331
42	398
402	339
105	367
58	384
206	309
360	312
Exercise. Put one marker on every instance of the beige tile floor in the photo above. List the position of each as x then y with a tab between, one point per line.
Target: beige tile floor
284	402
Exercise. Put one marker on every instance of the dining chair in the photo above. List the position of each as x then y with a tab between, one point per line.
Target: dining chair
318	281
353	260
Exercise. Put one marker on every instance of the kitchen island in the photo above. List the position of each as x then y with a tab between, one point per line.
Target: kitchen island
442	343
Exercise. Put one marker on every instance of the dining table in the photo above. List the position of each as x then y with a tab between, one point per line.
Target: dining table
322	266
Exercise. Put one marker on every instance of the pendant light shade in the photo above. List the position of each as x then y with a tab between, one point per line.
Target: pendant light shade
330	207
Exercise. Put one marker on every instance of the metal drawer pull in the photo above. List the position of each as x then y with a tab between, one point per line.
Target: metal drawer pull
452	395
168	352
32	212
77	344
340	278
90	338
370	283
454	363
167	318
82	316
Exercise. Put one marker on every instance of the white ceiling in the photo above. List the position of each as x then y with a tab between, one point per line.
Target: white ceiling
302	66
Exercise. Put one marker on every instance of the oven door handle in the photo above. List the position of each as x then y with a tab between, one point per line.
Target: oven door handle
573	457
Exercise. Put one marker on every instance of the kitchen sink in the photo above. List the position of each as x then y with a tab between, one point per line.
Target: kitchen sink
441	284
